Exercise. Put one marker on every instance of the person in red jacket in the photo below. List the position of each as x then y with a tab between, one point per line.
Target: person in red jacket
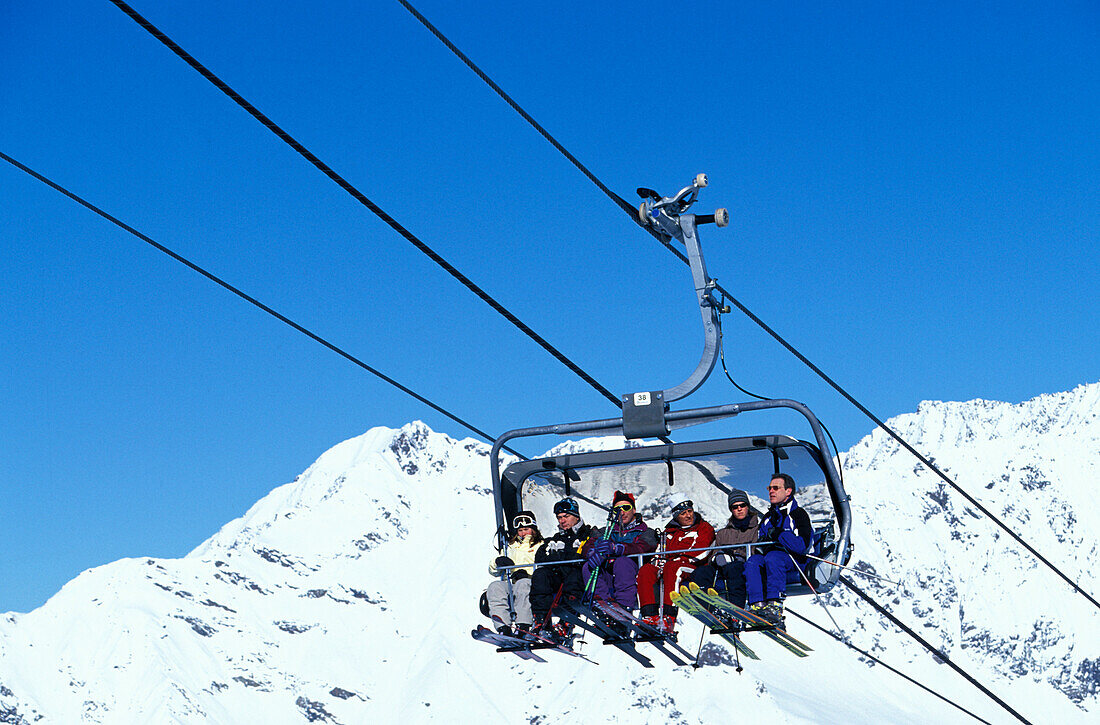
686	530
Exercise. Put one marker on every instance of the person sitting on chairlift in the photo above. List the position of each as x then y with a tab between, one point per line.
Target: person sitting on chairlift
729	564
562	582
503	604
686	530
612	554
786	533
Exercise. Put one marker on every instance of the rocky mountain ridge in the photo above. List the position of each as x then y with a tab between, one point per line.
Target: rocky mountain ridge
349	594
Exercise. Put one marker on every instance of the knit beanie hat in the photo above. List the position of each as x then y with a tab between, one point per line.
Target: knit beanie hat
738	496
623	496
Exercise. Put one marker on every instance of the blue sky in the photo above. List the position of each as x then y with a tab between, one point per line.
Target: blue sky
914	192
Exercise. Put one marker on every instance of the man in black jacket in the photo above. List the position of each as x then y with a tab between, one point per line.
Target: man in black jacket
562	546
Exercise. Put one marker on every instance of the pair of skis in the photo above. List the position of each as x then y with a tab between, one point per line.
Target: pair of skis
643	631
747	620
689	604
518	646
591	620
521	646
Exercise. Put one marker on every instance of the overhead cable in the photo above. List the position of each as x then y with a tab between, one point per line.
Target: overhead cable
362	199
253	301
632	212
896	671
621	202
934	650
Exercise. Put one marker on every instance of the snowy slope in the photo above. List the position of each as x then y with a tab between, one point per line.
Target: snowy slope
349	594
995	609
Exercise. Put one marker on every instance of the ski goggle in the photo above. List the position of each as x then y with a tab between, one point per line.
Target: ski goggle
682	507
523	520
567	506
623	506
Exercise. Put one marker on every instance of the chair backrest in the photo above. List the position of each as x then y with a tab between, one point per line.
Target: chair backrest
819	541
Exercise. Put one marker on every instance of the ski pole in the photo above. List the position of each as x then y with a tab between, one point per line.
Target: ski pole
590	587
816	595
857	571
546	619
660	566
695	665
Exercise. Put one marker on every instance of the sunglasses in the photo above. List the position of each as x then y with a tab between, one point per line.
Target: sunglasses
774	488
623	507
739	506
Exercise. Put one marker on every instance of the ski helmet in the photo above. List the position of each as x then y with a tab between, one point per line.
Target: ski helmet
567	505
523	518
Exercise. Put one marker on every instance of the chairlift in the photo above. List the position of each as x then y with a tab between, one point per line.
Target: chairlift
743	463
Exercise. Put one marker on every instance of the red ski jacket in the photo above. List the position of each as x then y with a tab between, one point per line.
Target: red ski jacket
700	534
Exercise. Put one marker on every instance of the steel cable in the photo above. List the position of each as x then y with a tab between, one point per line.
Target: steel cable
896	671
924	643
253	301
362	199
632	212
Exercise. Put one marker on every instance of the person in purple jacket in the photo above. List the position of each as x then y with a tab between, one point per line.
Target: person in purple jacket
611	555
785	535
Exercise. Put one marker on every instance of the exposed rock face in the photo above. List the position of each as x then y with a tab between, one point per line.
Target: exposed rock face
349	594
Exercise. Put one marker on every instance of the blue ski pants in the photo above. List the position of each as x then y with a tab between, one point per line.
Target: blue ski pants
766	575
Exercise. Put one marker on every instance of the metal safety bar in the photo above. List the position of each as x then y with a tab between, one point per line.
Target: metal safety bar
639	557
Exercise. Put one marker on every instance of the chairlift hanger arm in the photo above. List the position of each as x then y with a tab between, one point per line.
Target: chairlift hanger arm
668	217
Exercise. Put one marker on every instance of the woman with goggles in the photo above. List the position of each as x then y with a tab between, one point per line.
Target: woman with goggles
522	544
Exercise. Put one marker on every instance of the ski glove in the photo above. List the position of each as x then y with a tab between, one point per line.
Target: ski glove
594	558
618	549
494	568
518	574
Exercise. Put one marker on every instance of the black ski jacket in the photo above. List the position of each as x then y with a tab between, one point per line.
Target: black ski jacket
564	545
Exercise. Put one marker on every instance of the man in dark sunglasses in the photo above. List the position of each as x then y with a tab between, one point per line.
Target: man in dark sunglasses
786	531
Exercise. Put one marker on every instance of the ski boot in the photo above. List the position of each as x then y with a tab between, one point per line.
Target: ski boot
563	633
772	610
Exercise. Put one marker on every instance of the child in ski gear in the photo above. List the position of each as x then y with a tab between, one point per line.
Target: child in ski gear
686	530
610	555
729	564
786	532
564	580
504	600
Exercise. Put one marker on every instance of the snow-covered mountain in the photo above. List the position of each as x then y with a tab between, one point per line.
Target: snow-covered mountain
349	594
